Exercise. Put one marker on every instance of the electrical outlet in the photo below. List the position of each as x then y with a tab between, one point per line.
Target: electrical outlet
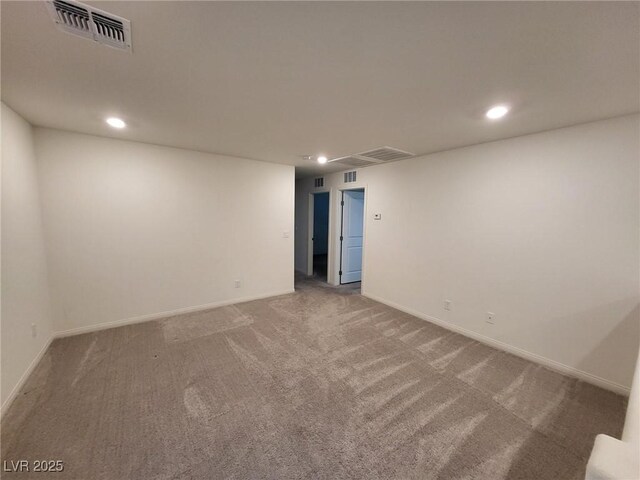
447	304
34	330
491	318
237	283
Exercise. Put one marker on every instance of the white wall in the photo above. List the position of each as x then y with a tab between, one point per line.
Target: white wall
24	291
542	230
134	230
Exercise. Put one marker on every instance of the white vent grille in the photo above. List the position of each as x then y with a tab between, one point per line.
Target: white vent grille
318	182
88	22
354	161
349	177
73	17
109	28
373	157
386	154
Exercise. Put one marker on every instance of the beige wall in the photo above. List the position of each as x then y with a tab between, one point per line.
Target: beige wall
134	230
542	230
24	291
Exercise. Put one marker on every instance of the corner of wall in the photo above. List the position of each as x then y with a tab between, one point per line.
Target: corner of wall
25	309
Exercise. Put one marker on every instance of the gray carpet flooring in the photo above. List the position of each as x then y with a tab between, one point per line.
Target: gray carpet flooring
319	384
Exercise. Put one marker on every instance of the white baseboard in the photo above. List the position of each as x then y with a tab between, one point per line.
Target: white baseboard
117	323
168	313
546	362
14	392
552	364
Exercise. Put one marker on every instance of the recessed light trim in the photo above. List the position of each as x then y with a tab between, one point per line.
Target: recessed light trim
115	122
497	111
322	159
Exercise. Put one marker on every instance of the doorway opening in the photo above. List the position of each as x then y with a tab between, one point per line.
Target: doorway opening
351	236
320	235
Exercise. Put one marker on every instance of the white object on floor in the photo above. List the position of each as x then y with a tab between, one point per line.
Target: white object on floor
613	459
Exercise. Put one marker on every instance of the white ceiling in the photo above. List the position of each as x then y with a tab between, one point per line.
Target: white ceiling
273	81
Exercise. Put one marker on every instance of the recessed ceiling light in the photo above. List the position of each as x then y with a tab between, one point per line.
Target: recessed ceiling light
116	122
322	159
496	112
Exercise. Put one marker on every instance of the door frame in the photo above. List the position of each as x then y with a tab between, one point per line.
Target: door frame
310	234
337	260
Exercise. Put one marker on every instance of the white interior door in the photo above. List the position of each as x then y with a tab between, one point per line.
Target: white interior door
352	236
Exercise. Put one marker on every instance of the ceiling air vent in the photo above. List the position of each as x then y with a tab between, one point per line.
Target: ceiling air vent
373	157
386	154
88	22
318	182
354	161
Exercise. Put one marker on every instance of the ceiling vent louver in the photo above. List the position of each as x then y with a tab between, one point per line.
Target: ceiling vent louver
373	157
386	154
88	22
354	161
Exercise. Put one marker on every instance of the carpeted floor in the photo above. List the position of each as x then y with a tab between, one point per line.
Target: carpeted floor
322	383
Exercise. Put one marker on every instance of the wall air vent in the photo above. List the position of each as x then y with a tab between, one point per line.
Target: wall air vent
318	182
373	157
88	22
349	177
